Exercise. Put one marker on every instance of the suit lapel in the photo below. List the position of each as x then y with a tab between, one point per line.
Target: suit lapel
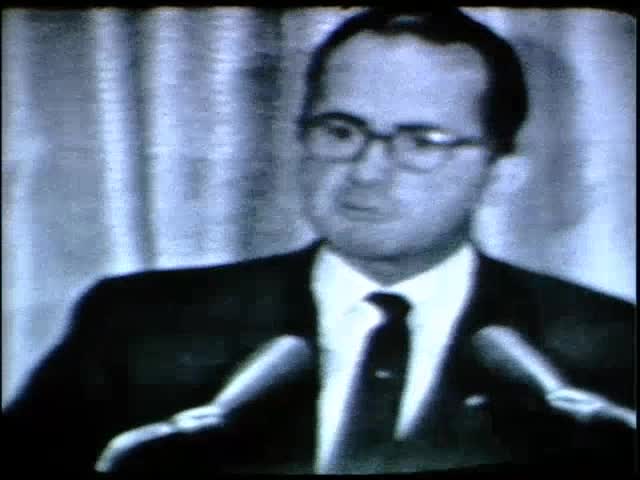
455	428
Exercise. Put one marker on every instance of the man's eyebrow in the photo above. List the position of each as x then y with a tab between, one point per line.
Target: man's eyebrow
338	115
426	126
423	126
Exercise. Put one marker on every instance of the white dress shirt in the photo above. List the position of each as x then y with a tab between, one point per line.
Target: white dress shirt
437	297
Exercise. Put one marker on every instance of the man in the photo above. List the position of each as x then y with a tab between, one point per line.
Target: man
404	119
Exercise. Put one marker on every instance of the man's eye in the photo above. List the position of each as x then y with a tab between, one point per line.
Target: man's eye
340	132
431	138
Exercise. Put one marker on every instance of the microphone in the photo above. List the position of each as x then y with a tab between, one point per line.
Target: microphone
278	362
507	355
503	352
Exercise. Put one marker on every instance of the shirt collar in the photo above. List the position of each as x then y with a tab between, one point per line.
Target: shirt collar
337	286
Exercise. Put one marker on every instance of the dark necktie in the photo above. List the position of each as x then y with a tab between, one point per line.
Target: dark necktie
375	400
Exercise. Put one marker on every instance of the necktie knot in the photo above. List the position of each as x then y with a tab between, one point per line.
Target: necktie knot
394	306
392	333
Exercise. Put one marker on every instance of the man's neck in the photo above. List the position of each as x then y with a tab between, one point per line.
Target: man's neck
393	269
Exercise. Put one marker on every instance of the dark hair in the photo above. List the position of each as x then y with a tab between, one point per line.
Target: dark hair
505	103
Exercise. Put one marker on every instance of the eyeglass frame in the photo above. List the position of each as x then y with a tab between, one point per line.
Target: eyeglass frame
305	124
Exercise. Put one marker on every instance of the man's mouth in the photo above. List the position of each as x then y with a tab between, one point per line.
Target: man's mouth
361	211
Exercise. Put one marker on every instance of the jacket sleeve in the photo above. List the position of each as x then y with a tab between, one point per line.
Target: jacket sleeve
60	420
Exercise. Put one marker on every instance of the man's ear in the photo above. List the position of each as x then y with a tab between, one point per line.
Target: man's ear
508	174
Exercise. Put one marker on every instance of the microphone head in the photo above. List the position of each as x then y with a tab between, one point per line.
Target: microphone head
508	356
280	361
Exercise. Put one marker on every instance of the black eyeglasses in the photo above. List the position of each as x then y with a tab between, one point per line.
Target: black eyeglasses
340	138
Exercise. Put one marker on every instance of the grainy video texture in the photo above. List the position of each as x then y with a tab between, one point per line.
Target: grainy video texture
320	240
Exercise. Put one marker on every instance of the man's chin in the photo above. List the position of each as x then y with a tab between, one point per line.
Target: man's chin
368	248
380	248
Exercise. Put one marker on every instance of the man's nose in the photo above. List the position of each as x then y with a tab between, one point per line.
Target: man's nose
374	164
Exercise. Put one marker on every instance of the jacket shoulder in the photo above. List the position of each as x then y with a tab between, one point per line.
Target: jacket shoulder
187	284
550	289
590	335
235	293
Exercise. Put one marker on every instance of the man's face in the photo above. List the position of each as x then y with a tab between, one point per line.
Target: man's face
371	208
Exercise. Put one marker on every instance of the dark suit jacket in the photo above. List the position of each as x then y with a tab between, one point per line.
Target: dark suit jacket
145	346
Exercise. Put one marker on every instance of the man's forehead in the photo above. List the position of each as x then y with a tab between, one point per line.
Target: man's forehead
400	79
406	51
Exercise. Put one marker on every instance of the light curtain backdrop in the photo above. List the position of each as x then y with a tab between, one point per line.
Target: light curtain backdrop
164	138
